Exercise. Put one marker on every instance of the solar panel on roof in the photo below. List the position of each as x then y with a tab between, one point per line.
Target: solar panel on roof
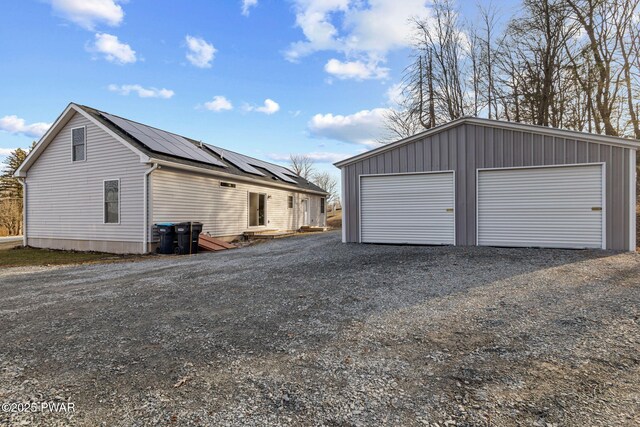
278	171
163	142
235	158
247	164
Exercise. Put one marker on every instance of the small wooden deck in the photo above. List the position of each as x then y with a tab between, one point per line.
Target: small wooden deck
208	243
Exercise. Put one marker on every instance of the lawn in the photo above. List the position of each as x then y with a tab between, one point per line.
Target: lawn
23	257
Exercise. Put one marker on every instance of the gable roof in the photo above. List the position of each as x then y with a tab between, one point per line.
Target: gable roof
147	144
522	127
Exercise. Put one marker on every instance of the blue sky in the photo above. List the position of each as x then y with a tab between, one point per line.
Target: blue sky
262	77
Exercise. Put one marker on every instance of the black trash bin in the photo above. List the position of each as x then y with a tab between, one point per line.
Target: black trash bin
196	229
187	233
167	238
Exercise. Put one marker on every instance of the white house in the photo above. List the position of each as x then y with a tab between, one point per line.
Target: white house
98	182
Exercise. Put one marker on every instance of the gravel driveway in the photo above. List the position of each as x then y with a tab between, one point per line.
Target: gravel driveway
309	331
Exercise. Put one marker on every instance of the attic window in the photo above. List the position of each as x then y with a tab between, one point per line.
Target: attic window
227	184
78	144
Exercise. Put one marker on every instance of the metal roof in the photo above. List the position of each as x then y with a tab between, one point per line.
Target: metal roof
522	127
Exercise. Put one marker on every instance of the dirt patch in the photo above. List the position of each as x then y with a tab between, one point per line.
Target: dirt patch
334	219
309	331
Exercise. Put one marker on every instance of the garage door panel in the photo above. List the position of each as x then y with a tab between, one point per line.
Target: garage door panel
545	207
412	208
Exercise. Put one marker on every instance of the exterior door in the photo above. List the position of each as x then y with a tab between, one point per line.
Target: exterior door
305	211
555	207
415	208
257	209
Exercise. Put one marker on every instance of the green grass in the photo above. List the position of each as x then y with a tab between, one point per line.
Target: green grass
23	257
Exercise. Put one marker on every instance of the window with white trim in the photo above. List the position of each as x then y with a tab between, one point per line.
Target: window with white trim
78	144
290	202
322	205
112	201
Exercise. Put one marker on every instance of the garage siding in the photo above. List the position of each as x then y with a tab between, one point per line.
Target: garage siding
467	147
182	196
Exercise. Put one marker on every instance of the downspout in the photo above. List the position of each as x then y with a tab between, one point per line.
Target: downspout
23	182
146	205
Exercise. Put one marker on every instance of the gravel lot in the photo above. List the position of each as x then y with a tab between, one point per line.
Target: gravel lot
308	331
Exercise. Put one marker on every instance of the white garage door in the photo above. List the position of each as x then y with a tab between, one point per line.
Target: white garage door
557	207
410	208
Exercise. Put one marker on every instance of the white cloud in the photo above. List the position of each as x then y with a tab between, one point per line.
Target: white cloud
269	107
17	126
6	151
357	70
200	52
248	4
353	26
318	156
89	13
113	50
143	92
364	31
364	127
219	103
394	94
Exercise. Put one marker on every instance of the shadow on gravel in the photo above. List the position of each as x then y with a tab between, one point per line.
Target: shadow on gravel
110	332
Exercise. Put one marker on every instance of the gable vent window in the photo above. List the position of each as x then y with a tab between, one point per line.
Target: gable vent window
112	201
290	202
227	184
78	144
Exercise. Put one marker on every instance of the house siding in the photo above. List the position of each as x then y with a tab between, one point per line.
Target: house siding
179	196
65	198
468	147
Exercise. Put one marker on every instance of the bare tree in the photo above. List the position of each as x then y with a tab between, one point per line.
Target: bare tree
489	21
628	38
441	39
400	124
11	215
328	183
302	165
605	24
571	64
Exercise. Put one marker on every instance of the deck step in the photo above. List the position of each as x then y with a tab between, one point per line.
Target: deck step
274	235
253	233
209	243
312	229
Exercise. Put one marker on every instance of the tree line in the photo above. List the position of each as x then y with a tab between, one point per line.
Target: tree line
11	194
572	64
304	166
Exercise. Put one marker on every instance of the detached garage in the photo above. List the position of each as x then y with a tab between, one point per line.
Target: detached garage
491	183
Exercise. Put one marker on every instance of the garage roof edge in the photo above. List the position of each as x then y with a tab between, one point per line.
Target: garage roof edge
571	134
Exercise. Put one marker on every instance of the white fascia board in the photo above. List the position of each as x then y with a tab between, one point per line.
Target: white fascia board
62	119
143	157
